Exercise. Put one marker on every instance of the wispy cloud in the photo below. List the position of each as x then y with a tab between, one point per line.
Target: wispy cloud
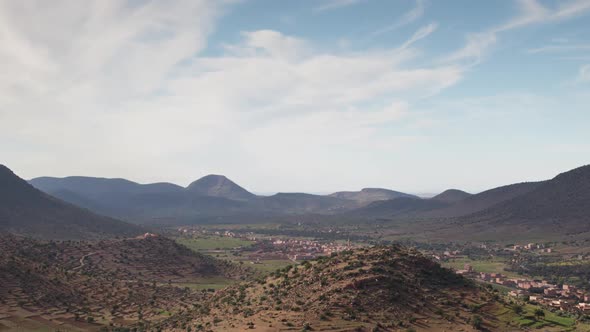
409	17
532	12
559	48
335	4
420	34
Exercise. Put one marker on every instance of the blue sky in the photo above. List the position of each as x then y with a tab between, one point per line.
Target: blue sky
316	96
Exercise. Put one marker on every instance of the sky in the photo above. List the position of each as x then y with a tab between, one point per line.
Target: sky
297	96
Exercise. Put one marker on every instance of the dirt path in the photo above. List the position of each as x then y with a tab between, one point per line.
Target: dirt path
82	261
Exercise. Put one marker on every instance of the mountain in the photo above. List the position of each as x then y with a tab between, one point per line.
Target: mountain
451	196
28	211
368	195
370	289
82	286
483	200
560	204
96	187
220	186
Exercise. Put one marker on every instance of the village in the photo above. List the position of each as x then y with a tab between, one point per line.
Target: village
564	297
274	247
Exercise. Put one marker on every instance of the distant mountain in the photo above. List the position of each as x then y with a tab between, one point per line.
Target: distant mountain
403	206
451	196
95	187
220	186
27	211
484	200
368	195
563	201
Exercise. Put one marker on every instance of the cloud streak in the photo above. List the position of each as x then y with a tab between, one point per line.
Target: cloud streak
532	12
409	17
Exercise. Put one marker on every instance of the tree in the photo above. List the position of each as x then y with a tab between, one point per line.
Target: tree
518	309
477	321
539	313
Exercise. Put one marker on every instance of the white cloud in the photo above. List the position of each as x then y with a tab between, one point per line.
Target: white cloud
408	18
118	90
532	12
584	74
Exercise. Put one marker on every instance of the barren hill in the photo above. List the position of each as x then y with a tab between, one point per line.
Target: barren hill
28	211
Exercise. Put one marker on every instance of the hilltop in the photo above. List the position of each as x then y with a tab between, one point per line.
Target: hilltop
379	289
220	186
27	211
452	196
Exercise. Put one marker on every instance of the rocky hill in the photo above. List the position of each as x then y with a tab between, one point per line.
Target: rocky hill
27	211
86	285
372	289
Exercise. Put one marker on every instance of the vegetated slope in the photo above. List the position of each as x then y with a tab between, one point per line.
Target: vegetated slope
113	281
560	204
367	195
403	206
220	186
28	211
298	203
379	289
451	196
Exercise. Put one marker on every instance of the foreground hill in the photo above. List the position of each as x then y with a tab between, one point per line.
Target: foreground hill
84	285
372	289
28	211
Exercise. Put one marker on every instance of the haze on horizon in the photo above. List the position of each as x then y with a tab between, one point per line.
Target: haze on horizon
314	96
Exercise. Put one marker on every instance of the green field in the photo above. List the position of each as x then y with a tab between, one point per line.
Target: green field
213	243
208	283
487	266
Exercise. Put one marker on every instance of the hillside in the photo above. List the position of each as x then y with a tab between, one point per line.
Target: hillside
368	195
220	186
399	207
91	284
558	206
27	211
373	289
301	203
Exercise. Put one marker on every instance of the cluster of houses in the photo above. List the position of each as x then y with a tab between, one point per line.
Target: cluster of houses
298	250
564	297
531	246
